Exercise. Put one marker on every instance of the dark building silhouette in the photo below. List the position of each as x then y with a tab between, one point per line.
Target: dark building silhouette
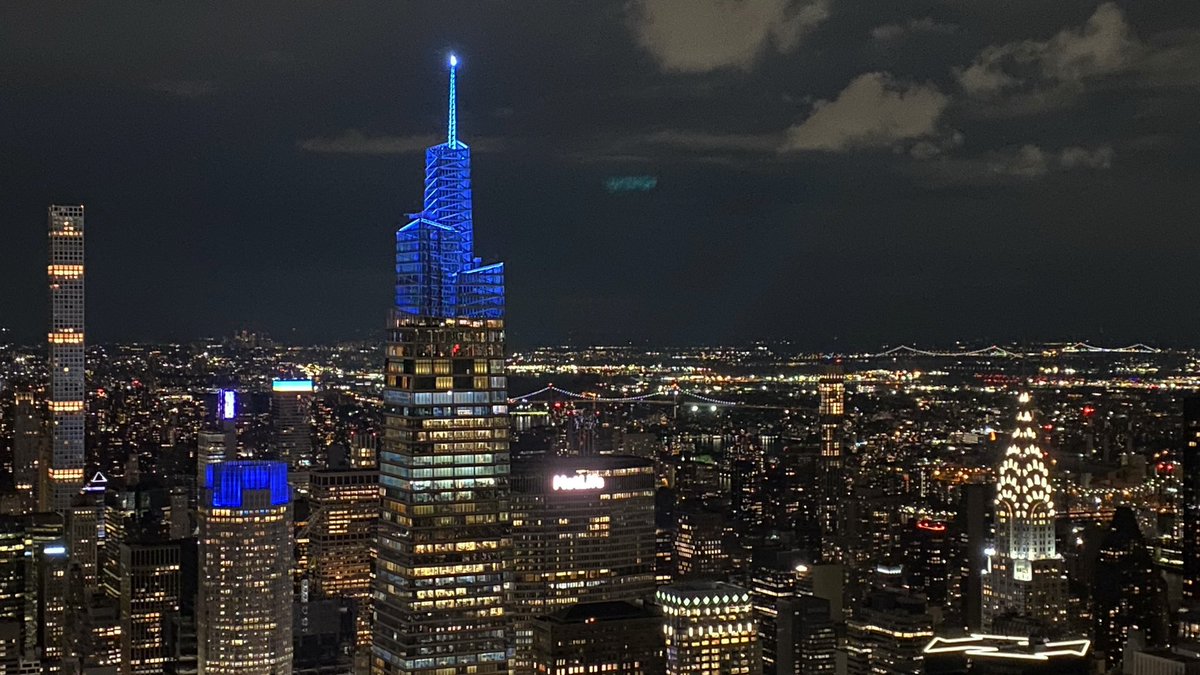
620	638
1191	501
1130	593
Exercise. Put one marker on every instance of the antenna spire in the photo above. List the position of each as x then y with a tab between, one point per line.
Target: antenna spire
452	127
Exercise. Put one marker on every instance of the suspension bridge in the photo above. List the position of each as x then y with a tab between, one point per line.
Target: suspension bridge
665	395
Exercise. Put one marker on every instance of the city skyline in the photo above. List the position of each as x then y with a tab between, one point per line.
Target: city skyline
625	218
429	499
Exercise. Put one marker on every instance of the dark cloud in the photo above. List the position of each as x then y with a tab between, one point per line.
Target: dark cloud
855	170
893	32
355	142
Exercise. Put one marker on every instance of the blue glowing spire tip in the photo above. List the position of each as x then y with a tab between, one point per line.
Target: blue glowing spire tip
452	127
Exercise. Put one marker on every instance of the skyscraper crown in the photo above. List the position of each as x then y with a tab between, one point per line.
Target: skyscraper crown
437	273
1024	495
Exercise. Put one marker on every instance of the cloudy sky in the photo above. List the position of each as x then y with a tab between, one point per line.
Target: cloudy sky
841	173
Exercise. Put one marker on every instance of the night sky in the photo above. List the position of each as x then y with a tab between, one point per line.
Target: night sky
840	173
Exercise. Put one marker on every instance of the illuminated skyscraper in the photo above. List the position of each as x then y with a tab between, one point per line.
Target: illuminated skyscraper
46	593
832	389
212	447
709	628
583	531
1191	502
1024	574
28	438
64	473
244	615
444	537
341	554
149	604
291	417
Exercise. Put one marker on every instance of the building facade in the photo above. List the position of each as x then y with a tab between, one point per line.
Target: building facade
709	628
291	419
244	613
63	476
149	604
1024	574
1191	502
341	553
28	440
583	531
831	388
617	638
885	635
444	542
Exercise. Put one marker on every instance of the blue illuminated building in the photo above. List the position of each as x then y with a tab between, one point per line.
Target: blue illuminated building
444	540
237	485
245	596
437	273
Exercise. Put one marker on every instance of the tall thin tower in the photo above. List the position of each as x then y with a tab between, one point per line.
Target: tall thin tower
64	471
1024	574
831	386
444	536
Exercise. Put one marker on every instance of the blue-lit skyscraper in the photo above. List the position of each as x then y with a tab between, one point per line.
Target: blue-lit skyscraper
444	536
244	615
437	273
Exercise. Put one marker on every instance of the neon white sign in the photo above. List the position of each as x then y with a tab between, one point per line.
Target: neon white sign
579	481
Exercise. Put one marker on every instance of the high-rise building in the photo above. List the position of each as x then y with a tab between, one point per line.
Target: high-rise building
807	639
84	529
444	537
617	638
831	387
12	569
364	451
341	531
218	441
28	441
47	589
149	604
582	531
701	543
291	419
972	526
709	627
64	471
1191	502
928	551
885	635
211	448
774	580
1024	574
1130	592
244	615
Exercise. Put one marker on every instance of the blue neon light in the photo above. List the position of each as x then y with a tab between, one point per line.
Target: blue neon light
227	404
289	386
437	273
452	127
229	481
55	550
